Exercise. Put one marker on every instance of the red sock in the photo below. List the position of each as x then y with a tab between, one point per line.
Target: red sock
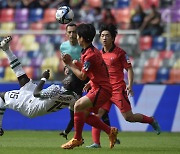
96	135
97	123
79	119
147	119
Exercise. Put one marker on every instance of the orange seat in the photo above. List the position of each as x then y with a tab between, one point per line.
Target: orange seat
165	54
95	3
29	71
49	15
154	62
37	26
7	15
174	76
145	43
149	75
122	15
134	3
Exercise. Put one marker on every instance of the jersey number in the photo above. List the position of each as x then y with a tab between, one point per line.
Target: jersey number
14	95
57	106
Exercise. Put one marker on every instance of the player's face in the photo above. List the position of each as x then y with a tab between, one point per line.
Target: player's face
106	38
71	34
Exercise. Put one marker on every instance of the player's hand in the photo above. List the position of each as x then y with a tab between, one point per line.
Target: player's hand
1	132
87	87
67	59
129	91
46	74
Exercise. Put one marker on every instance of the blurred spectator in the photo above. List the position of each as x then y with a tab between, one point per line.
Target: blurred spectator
97	17
152	23
86	14
138	18
76	5
108	4
108	17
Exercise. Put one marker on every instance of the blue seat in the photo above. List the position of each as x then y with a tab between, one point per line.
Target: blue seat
36	14
2	69
123	3
159	43
162	74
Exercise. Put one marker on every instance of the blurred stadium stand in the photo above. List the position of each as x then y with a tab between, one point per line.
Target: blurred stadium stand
37	37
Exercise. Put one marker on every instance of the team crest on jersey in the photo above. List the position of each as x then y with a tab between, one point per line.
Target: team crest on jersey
127	59
86	65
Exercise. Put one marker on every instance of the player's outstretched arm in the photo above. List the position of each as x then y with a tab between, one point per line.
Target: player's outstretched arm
45	76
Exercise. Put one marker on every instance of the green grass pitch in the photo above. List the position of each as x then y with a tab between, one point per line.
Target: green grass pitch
48	142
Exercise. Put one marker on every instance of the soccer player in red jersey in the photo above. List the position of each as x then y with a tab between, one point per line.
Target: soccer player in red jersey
94	67
117	60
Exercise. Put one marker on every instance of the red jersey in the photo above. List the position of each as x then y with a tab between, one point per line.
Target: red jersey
116	61
95	68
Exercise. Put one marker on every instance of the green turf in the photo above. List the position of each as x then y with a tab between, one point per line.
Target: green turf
48	142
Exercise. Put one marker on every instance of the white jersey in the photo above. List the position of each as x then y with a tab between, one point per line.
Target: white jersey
52	99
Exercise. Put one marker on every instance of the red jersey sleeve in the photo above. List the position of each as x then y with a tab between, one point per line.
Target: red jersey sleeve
125	60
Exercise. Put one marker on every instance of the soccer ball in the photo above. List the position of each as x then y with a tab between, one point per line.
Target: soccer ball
64	15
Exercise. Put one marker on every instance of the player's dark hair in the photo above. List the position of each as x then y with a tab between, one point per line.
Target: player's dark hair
112	29
86	31
71	24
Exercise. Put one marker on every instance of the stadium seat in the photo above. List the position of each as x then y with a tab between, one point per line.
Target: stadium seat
37	73
52	26
159	43
49	15
122	15
177	64
134	3
95	3
145	43
7	15
29	71
166	54
166	3
174	76
154	62
42	39
21	15
22	26
152	2
2	69
123	3
137	74
149	54
162	75
139	62
168	62
37	26
8	26
37	61
4	62
149	75
36	14
9	75
175	46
